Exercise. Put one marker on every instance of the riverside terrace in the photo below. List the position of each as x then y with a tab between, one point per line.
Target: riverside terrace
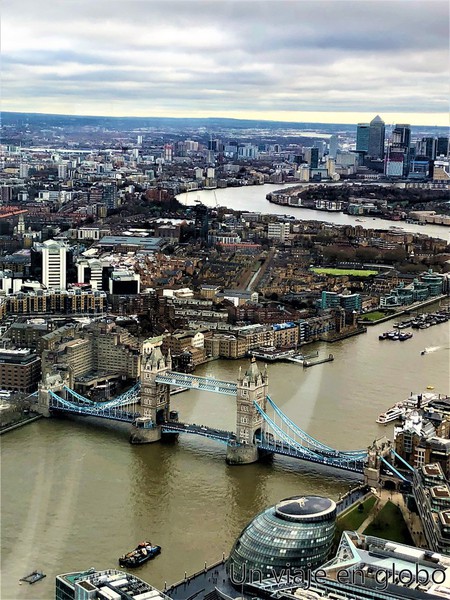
363	567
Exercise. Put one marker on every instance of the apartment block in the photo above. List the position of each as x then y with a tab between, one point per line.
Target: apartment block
432	495
20	370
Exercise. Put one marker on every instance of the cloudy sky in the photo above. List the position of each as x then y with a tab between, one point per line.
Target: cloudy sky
302	60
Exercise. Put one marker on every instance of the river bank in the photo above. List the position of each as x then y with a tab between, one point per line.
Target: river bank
20	423
253	199
405	311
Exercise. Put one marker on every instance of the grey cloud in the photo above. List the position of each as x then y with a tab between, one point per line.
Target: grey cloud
247	55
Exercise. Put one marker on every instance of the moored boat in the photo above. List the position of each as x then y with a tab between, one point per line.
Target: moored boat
393	414
141	554
399	410
405	336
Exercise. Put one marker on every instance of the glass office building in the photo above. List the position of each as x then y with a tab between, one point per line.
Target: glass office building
297	533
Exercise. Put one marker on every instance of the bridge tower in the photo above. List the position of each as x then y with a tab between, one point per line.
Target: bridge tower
380	448
251	387
155	397
52	382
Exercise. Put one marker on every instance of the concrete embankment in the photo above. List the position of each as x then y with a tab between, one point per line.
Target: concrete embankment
343	336
18	424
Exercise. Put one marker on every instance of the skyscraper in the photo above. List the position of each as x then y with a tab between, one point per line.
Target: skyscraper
376	138
54	264
333	146
426	147
442	146
400	145
314	158
401	138
362	137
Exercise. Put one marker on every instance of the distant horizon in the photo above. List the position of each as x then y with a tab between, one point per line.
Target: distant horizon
225	118
316	61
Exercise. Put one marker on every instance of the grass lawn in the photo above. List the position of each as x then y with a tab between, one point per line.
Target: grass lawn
355	517
353	272
373	316
389	524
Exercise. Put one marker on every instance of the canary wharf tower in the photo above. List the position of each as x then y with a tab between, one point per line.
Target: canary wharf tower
376	138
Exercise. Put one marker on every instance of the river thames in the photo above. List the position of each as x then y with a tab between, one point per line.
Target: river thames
76	494
253	199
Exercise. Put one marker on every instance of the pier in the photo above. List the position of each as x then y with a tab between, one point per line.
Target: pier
310	363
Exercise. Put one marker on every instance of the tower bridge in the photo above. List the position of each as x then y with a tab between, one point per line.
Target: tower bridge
261	426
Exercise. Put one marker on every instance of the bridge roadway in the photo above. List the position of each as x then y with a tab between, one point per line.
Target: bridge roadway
278	447
206	384
355	466
208	432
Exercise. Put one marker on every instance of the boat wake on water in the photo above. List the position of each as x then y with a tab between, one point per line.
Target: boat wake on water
431	349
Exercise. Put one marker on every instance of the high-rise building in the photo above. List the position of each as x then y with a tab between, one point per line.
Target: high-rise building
376	138
23	170
362	137
399	152
168	153
442	147
426	147
401	138
62	171
109	195
333	146
395	164
54	264
314	158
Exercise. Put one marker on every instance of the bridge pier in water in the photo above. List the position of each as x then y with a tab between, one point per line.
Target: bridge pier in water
262	429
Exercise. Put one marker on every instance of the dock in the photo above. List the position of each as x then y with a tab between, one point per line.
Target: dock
301	358
309	363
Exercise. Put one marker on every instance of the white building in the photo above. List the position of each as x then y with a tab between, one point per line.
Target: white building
23	170
54	264
91	271
278	231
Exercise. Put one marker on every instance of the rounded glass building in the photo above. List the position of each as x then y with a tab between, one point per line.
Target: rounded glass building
296	533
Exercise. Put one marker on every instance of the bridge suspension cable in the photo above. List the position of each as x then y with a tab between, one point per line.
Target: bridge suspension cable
300	446
309	439
129	397
98	410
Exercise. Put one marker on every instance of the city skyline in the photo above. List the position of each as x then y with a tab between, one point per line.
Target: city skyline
340	62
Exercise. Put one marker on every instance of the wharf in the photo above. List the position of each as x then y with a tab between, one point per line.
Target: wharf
283	355
307	363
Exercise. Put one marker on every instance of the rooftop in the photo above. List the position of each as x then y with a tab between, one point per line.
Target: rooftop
304	507
112	584
149	243
432	470
440	492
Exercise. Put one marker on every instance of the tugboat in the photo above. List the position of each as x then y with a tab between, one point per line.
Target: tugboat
143	552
